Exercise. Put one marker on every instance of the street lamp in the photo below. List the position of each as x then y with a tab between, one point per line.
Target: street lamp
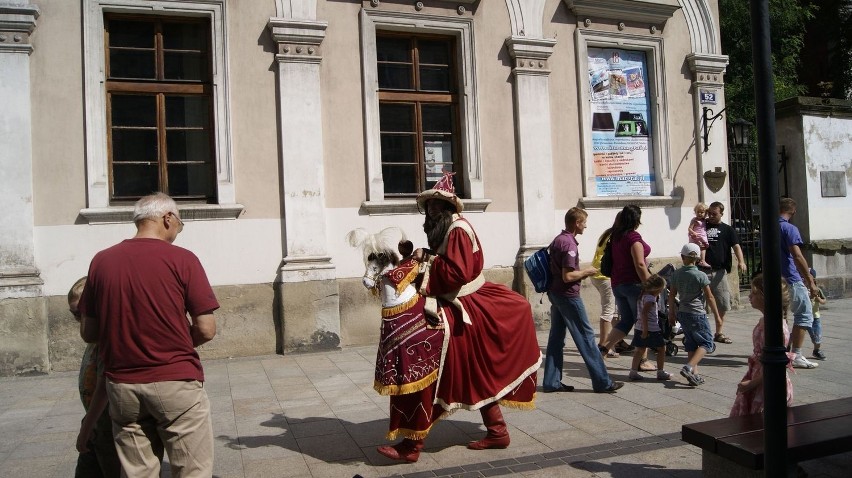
739	132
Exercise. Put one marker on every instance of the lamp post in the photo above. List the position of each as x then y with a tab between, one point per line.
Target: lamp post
774	357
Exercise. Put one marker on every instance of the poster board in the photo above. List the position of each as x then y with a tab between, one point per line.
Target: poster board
623	162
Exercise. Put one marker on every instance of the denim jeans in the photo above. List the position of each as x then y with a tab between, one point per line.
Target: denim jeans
800	305
816	332
626	296
569	313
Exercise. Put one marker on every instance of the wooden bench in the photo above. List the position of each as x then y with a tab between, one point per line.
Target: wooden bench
734	446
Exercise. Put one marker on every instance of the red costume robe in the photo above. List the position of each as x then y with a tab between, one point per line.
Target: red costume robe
490	351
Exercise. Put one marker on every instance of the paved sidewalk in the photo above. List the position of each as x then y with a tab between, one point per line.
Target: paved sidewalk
316	415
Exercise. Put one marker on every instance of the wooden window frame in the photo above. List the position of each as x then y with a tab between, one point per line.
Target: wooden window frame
160	87
418	98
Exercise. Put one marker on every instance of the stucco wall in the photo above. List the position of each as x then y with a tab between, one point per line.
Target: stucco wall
242	257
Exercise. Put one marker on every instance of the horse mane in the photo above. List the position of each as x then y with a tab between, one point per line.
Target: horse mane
384	257
378	244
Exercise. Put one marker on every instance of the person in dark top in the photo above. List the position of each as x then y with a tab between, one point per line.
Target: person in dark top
722	238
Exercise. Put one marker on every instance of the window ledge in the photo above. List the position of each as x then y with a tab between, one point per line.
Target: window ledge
621	201
409	206
188	212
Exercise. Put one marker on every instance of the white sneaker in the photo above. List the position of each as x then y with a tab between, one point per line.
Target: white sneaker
801	362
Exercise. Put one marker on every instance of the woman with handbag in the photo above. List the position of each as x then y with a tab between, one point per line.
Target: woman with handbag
629	270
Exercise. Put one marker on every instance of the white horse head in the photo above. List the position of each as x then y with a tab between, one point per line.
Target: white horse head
380	259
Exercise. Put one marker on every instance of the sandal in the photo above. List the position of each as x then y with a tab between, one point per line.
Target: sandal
623	347
612	354
722	338
646	366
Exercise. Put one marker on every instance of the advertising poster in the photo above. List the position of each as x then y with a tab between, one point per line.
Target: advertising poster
623	165
438	156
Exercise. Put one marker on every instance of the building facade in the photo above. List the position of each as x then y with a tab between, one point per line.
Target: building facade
281	125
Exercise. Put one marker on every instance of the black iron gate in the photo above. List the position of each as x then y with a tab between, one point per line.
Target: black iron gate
745	208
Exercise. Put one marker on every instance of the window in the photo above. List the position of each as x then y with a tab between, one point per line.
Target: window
418	112
181	84
443	131
158	84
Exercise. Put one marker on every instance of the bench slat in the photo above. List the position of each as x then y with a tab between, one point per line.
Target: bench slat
805	441
705	434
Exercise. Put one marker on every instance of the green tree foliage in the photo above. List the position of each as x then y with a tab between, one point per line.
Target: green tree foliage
787	18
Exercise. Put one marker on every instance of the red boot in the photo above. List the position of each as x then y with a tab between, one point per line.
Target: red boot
498	434
406	450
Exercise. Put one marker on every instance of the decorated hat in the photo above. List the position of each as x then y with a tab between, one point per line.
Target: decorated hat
443	190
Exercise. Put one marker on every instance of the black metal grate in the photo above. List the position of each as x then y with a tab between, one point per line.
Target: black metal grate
745	207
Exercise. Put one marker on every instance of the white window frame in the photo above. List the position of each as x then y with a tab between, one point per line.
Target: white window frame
99	210
462	29
653	48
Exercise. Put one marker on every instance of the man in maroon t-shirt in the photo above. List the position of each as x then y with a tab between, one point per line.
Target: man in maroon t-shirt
135	305
567	311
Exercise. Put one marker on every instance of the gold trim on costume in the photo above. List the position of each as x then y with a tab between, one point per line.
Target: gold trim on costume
406	388
390	311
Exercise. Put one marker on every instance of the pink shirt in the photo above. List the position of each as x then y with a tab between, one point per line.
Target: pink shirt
623	271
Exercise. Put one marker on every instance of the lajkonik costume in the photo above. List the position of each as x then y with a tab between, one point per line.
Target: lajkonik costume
487	348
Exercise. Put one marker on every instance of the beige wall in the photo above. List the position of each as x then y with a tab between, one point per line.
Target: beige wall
252	71
496	110
565	111
343	117
56	69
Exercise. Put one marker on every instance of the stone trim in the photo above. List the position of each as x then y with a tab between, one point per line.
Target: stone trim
707	70
188	212
811	106
655	12
409	206
618	202
831	245
17	23
530	55
299	41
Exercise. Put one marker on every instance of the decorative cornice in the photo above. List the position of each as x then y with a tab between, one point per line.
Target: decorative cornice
811	106
706	68
530	55
648	11
190	212
17	22
298	40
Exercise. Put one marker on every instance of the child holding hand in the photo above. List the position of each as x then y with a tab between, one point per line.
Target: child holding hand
647	332
750	389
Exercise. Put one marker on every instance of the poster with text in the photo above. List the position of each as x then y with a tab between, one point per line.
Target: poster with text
621	139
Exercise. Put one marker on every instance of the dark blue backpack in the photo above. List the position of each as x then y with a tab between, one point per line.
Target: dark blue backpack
538	269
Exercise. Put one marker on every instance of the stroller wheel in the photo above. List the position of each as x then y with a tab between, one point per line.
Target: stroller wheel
672	349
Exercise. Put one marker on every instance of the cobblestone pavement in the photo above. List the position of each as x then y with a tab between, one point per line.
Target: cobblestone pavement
316	415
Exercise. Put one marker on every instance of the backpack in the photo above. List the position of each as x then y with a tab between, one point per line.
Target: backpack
538	269
606	259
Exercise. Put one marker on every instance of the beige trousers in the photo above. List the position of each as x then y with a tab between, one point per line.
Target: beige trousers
147	417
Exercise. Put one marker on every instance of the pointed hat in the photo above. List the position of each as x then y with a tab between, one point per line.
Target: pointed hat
443	190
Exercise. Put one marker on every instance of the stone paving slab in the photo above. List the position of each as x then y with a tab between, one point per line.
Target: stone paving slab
316	415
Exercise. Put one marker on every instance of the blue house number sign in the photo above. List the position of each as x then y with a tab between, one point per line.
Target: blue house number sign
708	97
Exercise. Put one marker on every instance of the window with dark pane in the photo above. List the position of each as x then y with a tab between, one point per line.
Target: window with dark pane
159	108
418	111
